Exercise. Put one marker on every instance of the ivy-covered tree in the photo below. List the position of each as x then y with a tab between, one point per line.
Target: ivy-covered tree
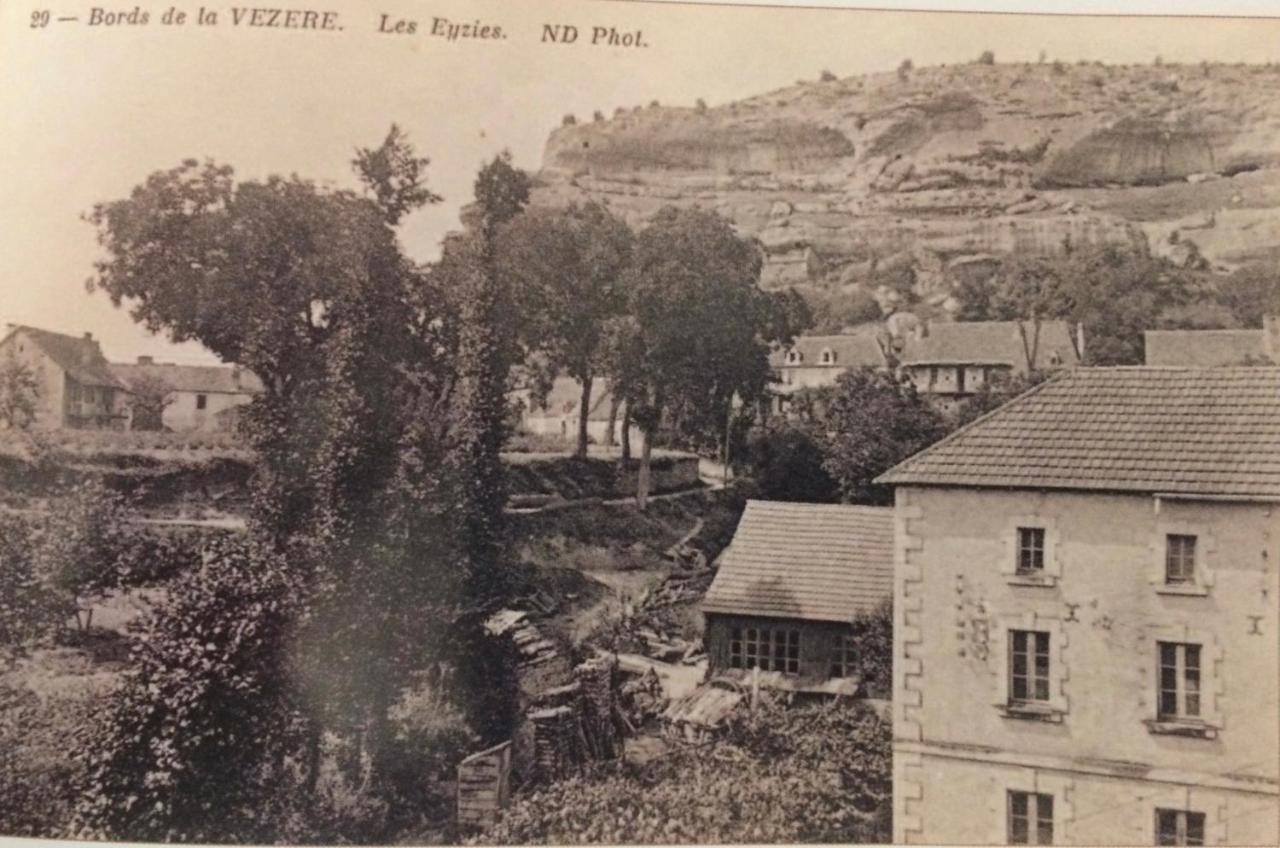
378	482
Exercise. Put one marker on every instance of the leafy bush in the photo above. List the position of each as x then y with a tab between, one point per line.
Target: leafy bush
987	58
787	463
26	606
195	745
827	76
812	774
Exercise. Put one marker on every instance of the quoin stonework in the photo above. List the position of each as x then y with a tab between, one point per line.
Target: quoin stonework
1085	597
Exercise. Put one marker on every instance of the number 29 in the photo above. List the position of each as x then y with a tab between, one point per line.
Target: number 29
40	19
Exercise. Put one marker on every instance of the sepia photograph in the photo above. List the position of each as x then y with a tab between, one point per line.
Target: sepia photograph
606	422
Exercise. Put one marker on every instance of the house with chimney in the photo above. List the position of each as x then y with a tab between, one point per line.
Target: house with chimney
76	388
788	590
1086	628
201	398
556	414
813	362
1213	348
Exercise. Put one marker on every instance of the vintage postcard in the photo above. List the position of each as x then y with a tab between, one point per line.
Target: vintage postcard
600	422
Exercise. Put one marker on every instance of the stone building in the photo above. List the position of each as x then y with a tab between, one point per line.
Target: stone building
789	587
1085	601
75	386
200	396
816	361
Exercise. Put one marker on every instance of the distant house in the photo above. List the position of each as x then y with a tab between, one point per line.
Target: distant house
76	386
1214	348
1085	616
952	360
815	361
789	587
200	395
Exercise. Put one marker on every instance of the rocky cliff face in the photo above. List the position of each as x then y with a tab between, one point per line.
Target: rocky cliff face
945	168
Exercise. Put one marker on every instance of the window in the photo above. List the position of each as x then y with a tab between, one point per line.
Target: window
202	401
1179	558
1028	666
766	648
794	357
1179	827
960	379
844	663
1030	550
1179	684
828	356
1030	818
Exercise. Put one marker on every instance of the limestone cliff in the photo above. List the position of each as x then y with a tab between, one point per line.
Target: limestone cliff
945	168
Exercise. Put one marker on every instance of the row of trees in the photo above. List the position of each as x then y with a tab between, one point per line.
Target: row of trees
1116	293
672	315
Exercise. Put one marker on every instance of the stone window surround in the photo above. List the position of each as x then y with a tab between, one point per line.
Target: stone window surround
1206	545
1056	707
1052	572
1210	721
1037	781
1192	799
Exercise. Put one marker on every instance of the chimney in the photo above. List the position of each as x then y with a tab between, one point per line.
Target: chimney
1080	341
146	360
88	336
1271	337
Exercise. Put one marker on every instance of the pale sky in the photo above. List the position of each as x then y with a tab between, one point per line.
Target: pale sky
88	112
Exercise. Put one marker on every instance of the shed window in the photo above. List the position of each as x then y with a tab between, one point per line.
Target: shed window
794	357
1030	550
844	663
1179	827
202	401
1030	818
1028	666
766	648
1180	558
1179	695
828	356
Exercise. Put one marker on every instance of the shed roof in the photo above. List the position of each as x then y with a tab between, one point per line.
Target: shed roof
1195	431
824	562
80	357
990	343
1206	348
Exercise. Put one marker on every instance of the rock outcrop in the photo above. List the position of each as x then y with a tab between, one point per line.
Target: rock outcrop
947	168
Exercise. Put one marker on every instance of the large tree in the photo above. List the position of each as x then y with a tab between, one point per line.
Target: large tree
372	435
699	327
566	268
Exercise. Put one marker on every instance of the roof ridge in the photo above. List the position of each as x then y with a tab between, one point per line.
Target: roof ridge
1055	377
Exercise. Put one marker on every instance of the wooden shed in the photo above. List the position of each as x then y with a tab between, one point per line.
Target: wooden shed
789	587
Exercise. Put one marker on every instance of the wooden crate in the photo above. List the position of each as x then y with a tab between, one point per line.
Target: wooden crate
484	786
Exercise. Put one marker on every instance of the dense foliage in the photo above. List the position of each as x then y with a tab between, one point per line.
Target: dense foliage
1114	292
808	774
376	529
19	392
1252	292
788	463
872	421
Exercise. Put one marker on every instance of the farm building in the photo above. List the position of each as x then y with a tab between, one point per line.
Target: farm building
789	587
199	396
74	384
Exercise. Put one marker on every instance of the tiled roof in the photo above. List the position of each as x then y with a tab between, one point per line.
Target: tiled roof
1205	347
825	562
1201	431
988	343
210	379
80	357
861	347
